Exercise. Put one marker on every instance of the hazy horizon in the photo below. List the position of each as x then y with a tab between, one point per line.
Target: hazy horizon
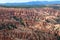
20	1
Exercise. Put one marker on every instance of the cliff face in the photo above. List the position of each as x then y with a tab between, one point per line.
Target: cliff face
29	24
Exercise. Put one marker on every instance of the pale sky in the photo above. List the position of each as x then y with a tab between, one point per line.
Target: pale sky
16	1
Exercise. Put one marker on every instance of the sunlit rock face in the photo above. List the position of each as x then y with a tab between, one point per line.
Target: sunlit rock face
29	24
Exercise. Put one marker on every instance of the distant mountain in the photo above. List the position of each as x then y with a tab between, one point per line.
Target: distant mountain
42	2
32	3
